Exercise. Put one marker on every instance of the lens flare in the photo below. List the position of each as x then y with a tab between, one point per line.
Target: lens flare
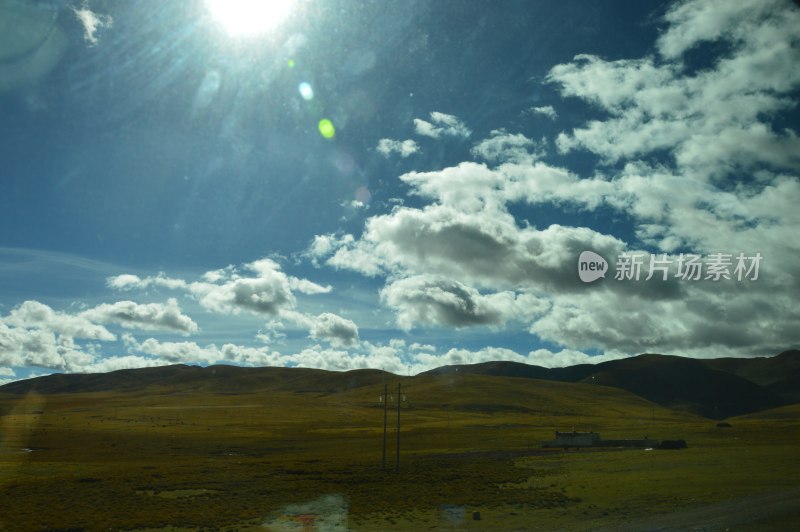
306	91
363	195
326	128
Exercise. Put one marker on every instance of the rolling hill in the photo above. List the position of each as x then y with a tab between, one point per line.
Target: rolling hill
780	373
181	378
716	388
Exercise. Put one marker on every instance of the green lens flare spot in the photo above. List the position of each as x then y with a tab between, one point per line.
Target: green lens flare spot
326	128
290	63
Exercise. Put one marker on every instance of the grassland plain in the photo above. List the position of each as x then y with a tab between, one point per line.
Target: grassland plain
174	459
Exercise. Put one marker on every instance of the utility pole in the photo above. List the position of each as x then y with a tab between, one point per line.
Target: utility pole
385	402
397	465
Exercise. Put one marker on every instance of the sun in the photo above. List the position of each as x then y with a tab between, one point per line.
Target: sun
243	18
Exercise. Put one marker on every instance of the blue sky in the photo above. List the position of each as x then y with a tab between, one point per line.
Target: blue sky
168	195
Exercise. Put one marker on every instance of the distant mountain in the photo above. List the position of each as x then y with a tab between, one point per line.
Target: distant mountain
181	378
716	388
687	384
780	373
706	387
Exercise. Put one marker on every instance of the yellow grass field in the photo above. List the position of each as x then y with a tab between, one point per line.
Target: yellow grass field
280	460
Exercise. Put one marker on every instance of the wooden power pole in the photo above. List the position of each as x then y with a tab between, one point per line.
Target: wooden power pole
397	464
385	402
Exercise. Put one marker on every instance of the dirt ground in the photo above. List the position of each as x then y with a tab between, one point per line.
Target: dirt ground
764	512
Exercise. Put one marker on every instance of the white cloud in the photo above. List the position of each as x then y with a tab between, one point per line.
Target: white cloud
434	300
712	121
305	286
546	110
179	352
91	21
160	316
468	186
335	329
115	363
36	315
404	148
438	257
328	327
42	348
693	157
441	125
503	146
455	356
268	293
229	291
331	359
193	353
134	282
730	184
485	248
363	356
694	22
416	346
566	357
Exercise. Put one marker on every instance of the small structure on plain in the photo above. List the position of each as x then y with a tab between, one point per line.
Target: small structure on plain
577	440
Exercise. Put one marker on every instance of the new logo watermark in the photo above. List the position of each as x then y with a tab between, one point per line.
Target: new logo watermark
591	266
686	267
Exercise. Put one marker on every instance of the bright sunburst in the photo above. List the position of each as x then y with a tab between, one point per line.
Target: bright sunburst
249	17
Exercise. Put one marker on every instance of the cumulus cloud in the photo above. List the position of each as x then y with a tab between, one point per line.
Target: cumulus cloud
719	176
567	357
160	316
328	327
504	146
134	282
712	121
484	248
304	286
261	287
441	125
469	186
398	358
728	162
391	357
540	357
42	348
116	363
691	23
696	160
429	299
546	110
266	294
404	148
193	353
36	315
438	257
337	330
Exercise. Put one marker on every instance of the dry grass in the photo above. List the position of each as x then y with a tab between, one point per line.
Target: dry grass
192	461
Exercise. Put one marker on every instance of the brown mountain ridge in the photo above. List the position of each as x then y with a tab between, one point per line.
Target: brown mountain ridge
713	388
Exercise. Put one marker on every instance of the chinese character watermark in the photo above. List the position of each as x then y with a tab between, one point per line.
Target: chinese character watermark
685	267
